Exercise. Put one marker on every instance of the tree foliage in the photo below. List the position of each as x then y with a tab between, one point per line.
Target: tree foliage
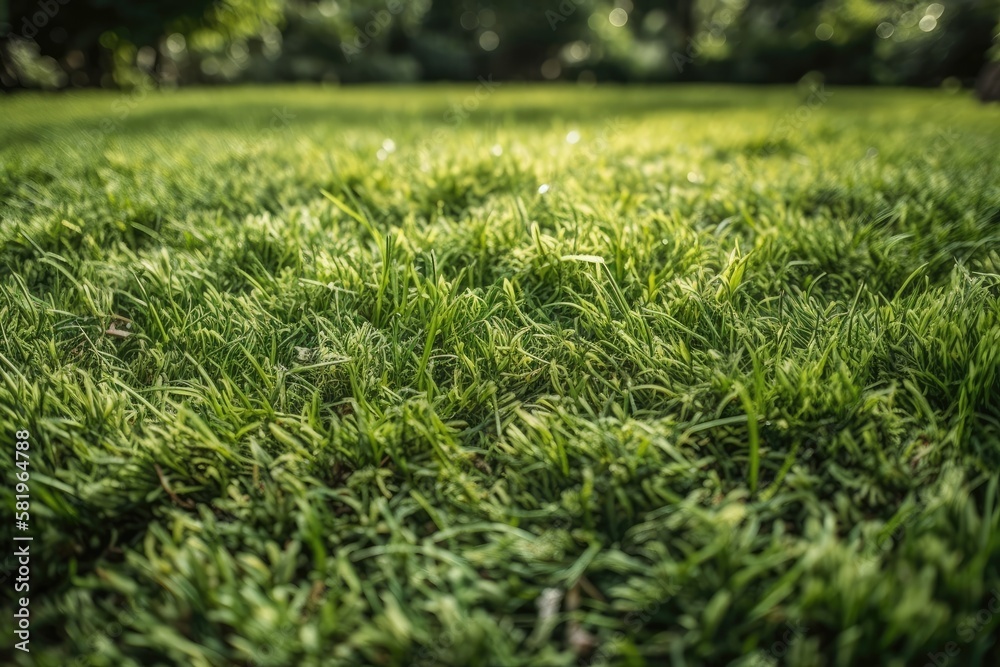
102	42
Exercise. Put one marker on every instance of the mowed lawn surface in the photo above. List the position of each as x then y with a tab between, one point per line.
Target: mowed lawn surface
674	376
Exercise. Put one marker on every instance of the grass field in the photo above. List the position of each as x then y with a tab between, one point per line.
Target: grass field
678	376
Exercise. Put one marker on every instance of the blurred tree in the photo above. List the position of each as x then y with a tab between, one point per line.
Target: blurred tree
95	39
117	42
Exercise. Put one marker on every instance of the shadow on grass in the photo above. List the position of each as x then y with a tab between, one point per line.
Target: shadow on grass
127	115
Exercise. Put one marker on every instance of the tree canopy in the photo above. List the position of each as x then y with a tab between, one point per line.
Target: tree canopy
116	42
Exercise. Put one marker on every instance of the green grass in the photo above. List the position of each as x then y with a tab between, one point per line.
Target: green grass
734	371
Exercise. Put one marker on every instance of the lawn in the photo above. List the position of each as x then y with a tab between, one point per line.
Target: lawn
495	375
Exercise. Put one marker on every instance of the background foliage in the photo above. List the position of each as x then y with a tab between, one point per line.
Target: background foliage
60	43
